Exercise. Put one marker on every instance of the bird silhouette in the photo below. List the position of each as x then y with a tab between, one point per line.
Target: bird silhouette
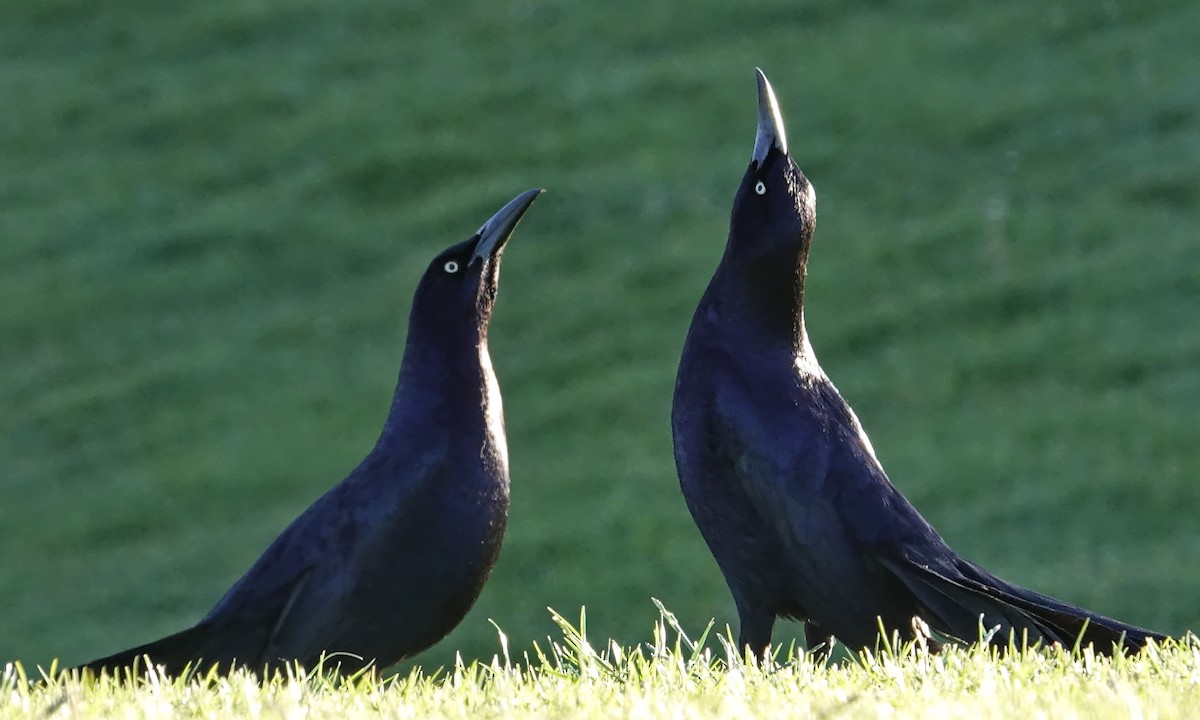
390	559
782	480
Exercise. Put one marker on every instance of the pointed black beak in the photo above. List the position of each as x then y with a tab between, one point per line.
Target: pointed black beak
771	133
499	228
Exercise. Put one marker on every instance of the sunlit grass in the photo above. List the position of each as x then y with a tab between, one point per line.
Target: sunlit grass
671	676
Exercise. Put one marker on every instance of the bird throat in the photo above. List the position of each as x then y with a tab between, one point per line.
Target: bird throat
761	299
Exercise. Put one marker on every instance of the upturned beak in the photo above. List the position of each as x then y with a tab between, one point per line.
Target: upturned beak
770	133
499	228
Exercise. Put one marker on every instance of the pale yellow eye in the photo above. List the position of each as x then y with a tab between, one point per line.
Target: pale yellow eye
760	188
451	266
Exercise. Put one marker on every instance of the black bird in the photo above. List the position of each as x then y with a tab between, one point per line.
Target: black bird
390	559
783	482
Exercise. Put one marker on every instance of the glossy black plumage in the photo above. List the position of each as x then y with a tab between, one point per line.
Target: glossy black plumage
389	560
780	477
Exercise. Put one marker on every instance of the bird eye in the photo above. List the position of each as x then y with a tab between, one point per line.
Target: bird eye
760	188
451	266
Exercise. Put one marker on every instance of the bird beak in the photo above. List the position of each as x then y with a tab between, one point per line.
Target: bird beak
771	133
499	228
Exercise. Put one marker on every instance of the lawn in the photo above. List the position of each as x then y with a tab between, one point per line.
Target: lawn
671	676
213	215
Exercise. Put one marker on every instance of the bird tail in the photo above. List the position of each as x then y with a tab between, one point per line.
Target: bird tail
174	653
1083	625
960	604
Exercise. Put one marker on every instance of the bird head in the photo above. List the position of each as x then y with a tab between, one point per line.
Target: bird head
759	285
775	208
461	282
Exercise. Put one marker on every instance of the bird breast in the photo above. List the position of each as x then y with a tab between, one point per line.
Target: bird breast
493	410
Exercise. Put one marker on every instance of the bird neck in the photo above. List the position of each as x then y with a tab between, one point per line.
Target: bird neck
760	301
445	380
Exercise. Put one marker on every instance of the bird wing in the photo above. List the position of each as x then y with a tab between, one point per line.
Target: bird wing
804	462
789	467
845	533
294	597
320	615
820	486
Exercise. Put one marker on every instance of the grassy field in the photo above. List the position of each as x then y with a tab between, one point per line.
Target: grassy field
670	677
212	217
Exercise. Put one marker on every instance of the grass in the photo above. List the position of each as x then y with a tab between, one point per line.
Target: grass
213	216
671	676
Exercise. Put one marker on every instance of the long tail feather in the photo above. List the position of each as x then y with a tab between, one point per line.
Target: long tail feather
1090	628
959	604
173	653
964	614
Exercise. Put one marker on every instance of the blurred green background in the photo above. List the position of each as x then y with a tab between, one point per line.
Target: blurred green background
213	215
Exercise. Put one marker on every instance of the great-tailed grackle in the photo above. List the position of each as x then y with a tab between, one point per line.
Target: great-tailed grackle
389	560
783	482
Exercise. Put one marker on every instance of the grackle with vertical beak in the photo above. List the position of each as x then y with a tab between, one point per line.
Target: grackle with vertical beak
783	482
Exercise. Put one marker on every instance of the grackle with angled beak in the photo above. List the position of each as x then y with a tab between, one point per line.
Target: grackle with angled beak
389	560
